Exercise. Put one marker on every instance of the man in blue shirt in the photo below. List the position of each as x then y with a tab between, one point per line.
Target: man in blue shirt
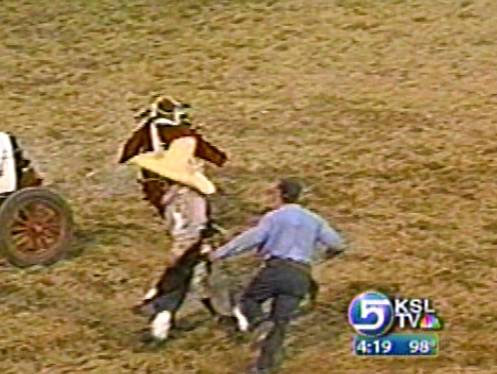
286	238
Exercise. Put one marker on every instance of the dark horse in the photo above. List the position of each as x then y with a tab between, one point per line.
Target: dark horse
167	296
172	288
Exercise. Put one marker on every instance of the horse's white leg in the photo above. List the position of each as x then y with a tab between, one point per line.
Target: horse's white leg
161	325
243	323
150	294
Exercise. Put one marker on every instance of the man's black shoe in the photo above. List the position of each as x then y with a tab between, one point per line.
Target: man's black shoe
260	333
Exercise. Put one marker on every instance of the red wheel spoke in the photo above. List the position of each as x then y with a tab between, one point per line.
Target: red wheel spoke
19	222
21	217
18	229
49	236
35	209
49	241
22	214
52	220
48	220
24	243
52	225
52	231
38	244
21	239
45	215
41	243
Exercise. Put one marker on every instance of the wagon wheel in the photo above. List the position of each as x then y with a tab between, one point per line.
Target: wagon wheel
35	227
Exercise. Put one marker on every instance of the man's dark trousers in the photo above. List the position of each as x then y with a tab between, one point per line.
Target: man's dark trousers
285	282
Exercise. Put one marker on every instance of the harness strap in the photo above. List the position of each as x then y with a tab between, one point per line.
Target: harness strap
154	132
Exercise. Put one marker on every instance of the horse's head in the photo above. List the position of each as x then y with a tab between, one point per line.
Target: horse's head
157	123
165	120
170	110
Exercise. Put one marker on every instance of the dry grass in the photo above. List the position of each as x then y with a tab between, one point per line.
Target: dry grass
386	108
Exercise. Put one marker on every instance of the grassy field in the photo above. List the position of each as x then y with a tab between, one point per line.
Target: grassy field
387	109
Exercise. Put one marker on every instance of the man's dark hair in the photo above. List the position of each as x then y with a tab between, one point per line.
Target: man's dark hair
290	190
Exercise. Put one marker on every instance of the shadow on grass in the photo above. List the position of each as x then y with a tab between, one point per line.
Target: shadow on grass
85	238
81	241
185	325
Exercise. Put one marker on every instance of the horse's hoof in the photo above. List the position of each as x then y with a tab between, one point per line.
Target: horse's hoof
152	341
253	369
136	309
144	310
227	321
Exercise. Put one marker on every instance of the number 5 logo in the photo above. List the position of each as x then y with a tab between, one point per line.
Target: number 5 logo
371	313
369	307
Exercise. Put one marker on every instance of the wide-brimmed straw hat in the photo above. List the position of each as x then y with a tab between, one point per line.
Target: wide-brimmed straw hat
178	164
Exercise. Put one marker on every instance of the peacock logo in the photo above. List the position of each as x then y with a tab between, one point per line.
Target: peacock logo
430	322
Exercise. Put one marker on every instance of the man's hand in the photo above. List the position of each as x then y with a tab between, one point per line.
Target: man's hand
209	252
333	252
211	255
336	250
206	249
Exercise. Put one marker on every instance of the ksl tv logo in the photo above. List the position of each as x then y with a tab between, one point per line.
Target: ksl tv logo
374	314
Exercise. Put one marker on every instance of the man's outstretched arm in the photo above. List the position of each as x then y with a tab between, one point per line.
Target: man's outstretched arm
331	240
251	238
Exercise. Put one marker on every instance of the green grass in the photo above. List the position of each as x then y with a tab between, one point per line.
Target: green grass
385	108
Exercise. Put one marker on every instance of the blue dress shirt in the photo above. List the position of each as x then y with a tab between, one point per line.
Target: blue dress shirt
289	232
